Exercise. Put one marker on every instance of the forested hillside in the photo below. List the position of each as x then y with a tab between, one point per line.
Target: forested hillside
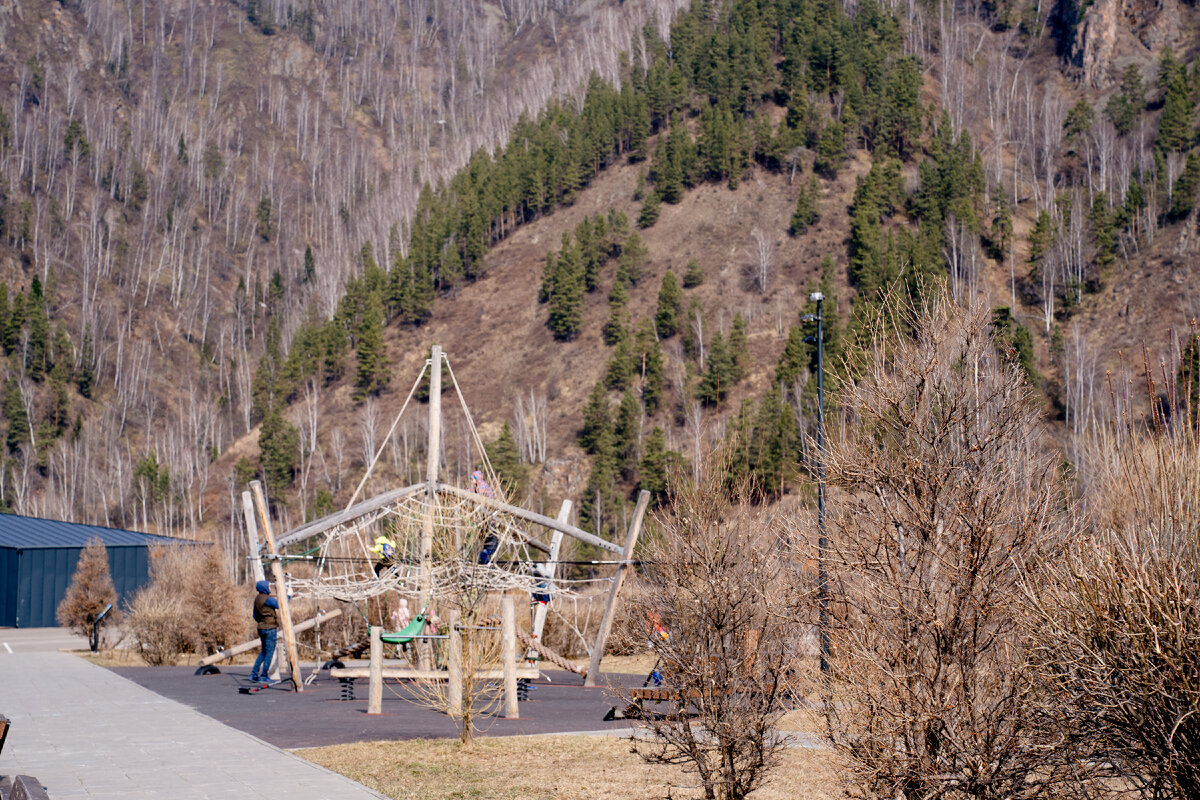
183	185
231	231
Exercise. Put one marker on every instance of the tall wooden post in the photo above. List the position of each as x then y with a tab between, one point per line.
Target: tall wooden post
285	605
539	613
375	691
256	567
508	654
610	610
424	649
454	666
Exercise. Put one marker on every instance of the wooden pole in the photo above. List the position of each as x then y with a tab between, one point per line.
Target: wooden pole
246	647
285	605
610	610
256	567
508	654
375	693
454	691
319	526
532	516
539	613
424	650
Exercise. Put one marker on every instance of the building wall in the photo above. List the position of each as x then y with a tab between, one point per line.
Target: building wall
43	574
8	587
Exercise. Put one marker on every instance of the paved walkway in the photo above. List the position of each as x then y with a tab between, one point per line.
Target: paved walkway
86	732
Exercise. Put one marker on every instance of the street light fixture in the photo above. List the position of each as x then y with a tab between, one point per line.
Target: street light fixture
822	577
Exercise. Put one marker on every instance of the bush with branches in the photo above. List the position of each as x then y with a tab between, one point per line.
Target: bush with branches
941	495
1118	620
717	577
190	605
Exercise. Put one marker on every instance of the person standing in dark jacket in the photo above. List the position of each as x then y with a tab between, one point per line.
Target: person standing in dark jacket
266	616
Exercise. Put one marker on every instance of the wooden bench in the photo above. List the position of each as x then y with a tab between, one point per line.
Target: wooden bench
652	694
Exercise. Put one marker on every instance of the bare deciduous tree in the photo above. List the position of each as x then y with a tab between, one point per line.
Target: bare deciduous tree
944	491
1118	622
717	580
762	265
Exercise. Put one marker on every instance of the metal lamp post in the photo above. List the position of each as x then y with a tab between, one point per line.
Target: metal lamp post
822	577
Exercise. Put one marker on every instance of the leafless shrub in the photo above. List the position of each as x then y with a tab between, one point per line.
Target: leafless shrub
944	492
1118	620
718	578
90	591
218	613
158	624
190	605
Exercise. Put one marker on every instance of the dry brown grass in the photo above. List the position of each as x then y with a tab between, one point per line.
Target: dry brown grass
550	768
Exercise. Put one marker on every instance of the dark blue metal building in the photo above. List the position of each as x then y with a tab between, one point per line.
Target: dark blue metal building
37	562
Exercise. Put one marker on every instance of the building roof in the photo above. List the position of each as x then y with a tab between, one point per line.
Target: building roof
26	533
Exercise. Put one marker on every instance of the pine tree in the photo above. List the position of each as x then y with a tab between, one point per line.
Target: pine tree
693	276
1127	103
549	270
505	458
14	411
618	230
618	318
599	507
739	351
651	208
626	427
1175	124
718	372
279	448
1080	120
807	207
595	418
670	303
633	259
15	323
86	377
618	376
831	150
39	332
795	358
1183	197
90	591
310	266
653	467
650	359
566	304
373	373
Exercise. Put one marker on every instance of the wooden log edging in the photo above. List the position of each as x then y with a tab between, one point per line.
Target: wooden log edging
408	673
246	647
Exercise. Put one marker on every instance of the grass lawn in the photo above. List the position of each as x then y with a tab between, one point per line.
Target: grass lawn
549	768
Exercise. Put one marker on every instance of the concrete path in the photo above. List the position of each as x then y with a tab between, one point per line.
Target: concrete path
39	640
86	732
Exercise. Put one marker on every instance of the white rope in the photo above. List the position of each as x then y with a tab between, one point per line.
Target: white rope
391	430
492	478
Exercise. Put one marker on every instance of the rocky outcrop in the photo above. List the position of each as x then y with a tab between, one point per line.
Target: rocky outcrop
1115	30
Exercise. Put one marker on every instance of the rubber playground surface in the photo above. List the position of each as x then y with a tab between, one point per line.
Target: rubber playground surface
558	703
